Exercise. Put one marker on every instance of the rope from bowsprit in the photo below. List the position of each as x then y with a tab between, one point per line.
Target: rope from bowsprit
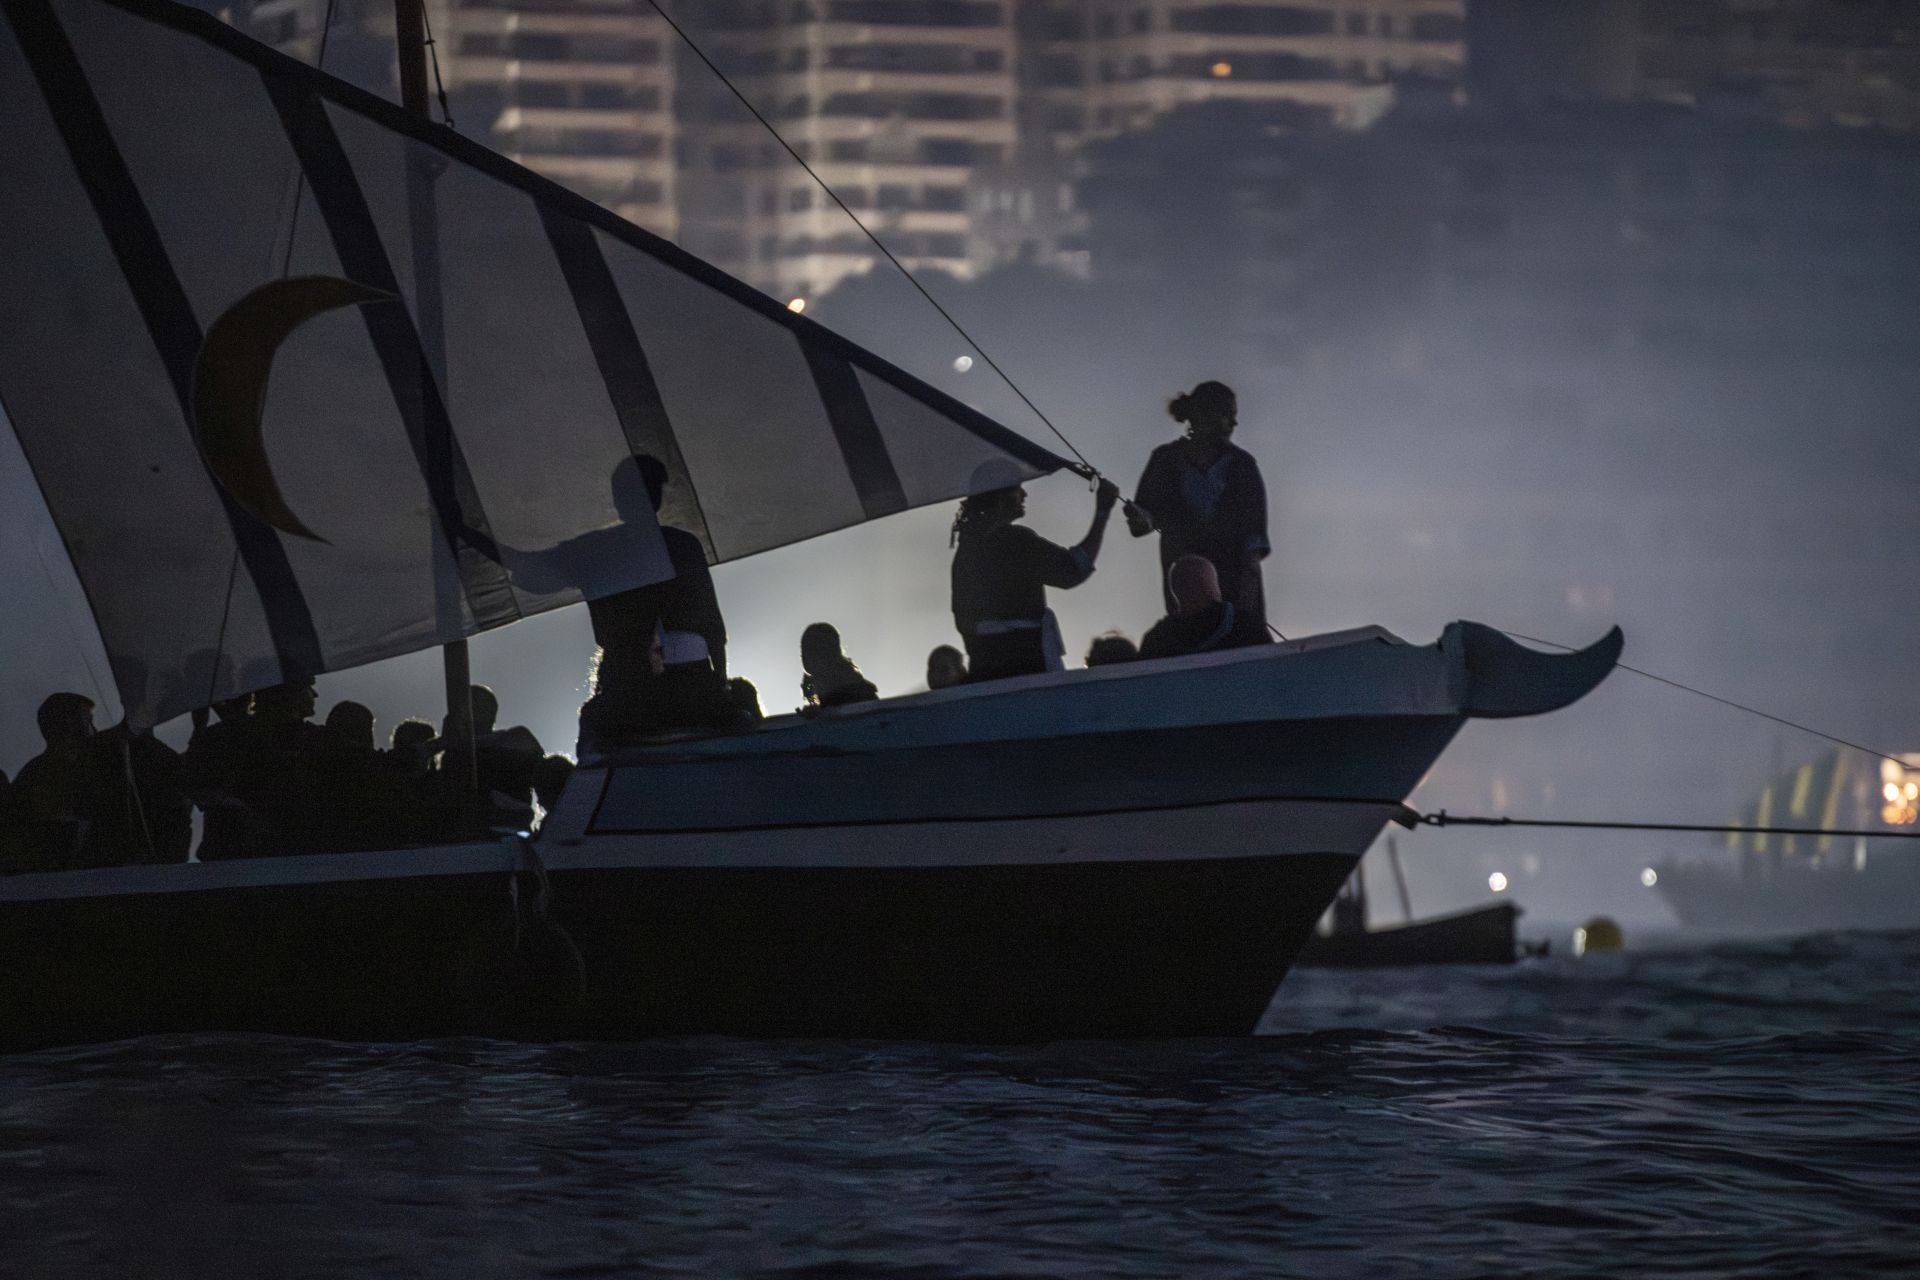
1410	819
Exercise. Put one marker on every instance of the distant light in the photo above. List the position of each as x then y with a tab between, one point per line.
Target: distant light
1497	882
1649	877
1891	791
796	305
962	363
1222	69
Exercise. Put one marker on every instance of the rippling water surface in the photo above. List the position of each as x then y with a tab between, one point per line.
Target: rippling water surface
1701	1110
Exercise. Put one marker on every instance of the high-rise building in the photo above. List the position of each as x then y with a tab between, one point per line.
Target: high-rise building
1101	69
894	103
1096	68
581	91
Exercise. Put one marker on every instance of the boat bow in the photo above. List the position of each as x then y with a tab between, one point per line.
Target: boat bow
1498	678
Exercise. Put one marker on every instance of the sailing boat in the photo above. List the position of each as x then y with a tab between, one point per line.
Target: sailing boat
1479	935
1130	851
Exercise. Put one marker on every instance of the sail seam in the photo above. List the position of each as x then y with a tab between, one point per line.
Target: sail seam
397	342
862	447
622	361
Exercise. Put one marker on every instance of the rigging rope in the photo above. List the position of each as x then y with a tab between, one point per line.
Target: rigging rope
1727	702
1445	819
1086	469
439	85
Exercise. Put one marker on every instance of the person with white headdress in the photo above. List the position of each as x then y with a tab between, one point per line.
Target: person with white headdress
1001	571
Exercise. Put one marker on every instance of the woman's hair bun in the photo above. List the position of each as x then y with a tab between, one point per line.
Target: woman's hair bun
1180	408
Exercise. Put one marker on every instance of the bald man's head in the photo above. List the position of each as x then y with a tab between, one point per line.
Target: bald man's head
1195	583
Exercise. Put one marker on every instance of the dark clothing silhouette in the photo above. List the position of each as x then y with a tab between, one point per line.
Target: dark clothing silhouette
1221	625
508	764
1000	576
48	826
116	798
216	756
1218	510
136	804
623	623
840	685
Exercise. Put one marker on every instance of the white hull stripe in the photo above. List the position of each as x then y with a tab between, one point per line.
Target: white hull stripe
1262	828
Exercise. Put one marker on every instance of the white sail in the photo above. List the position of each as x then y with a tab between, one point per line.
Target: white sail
450	446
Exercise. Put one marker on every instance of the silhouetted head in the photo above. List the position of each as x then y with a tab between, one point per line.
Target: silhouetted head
486	708
352	725
1211	411
632	477
1195	583
946	667
412	735
1110	648
66	718
997	496
287	703
745	698
820	648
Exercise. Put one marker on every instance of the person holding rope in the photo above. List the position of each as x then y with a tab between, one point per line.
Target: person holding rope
1001	571
1205	497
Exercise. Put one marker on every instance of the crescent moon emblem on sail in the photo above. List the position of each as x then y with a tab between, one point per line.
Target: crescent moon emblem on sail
230	387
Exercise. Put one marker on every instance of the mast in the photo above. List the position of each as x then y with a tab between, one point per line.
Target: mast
410	42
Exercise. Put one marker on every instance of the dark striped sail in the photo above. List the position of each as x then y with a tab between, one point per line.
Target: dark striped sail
450	443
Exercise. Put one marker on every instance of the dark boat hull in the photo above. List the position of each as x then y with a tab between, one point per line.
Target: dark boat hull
984	953
1132	851
1483	936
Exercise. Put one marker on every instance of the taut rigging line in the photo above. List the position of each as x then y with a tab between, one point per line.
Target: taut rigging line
1086	469
1442	818
1725	702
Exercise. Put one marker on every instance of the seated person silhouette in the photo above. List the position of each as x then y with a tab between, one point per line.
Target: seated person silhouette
282	781
946	667
99	798
216	754
1202	621
412	747
1110	648
746	700
507	763
830	679
625	703
136	802
50	827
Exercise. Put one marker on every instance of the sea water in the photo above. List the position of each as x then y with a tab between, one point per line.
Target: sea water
1730	1109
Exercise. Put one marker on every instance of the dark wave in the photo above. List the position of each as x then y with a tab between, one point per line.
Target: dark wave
1748	1108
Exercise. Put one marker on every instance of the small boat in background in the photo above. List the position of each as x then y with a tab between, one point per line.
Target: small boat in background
1483	935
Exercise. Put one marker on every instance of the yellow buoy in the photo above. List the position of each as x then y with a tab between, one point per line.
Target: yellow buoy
1597	934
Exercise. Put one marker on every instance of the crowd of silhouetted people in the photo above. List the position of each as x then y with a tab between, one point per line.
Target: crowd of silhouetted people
270	780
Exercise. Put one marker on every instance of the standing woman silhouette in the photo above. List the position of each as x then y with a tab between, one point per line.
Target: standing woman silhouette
1205	496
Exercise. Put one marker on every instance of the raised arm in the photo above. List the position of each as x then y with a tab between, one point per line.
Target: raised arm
1152	497
1104	497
